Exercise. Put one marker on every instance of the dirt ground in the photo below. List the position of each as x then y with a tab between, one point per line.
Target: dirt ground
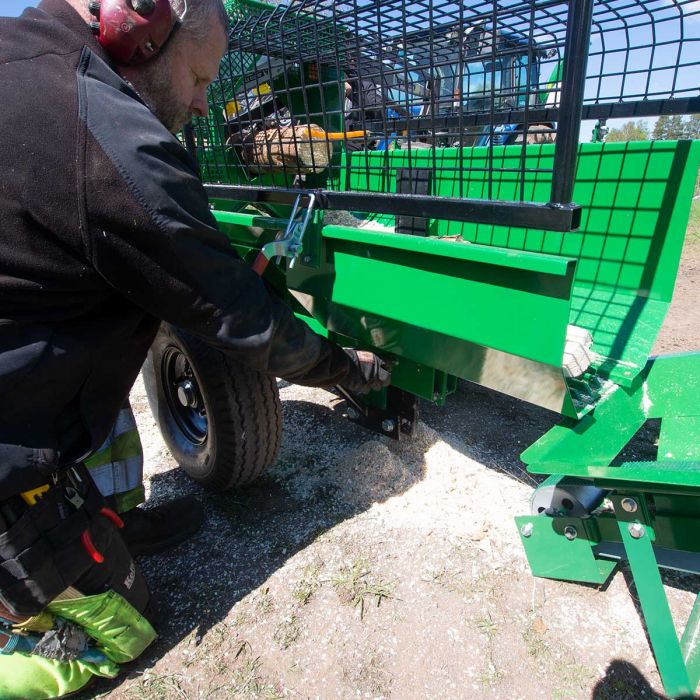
360	567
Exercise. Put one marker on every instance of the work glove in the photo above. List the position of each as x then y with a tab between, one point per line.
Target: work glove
368	372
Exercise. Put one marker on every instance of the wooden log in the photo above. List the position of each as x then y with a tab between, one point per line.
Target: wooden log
295	149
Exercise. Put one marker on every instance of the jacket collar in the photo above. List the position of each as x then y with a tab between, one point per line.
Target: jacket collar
66	15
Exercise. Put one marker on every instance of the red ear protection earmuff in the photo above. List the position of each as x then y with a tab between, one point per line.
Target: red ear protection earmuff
132	31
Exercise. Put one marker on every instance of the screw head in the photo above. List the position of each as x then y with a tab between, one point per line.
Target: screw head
306	259
636	530
353	413
570	532
388	425
526	529
629	505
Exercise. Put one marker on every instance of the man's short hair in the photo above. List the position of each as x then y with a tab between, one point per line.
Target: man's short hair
196	16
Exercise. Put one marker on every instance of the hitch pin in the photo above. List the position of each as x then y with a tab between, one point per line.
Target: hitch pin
362	410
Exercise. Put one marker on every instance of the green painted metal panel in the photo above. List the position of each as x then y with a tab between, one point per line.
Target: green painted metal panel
667	388
673	383
690	644
551	555
513	309
635	199
596	439
518	260
676	531
244	219
666	477
680	438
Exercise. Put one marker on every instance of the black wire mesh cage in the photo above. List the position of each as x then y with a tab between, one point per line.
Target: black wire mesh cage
421	99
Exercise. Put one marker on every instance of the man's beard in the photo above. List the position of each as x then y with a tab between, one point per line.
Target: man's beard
154	85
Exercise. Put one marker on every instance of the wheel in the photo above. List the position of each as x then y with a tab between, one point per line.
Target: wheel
221	420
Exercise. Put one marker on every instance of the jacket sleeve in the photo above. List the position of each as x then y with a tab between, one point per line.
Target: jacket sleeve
148	231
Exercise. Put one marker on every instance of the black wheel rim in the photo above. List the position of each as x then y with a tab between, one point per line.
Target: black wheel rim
183	396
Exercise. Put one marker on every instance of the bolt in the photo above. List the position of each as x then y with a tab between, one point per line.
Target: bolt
187	394
353	413
306	259
526	529
629	505
388	425
636	530
570	532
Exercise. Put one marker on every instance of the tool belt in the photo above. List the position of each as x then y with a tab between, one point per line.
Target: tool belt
62	536
24	468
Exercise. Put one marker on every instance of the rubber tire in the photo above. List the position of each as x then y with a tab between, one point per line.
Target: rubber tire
243	410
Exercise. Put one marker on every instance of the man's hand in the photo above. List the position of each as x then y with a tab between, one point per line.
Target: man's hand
368	373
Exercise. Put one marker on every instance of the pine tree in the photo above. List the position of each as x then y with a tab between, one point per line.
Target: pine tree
660	132
676	127
692	127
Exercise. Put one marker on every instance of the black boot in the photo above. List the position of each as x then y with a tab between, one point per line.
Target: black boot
152	530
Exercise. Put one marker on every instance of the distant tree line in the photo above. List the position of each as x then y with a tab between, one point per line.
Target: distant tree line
676	127
667	128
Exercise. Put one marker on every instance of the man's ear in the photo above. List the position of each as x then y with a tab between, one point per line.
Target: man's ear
133	31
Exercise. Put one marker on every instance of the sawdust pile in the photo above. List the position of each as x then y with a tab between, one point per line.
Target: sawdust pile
429	484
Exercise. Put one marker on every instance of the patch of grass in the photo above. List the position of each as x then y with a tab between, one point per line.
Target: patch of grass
450	579
535	643
241	618
287	632
487	626
263	602
368	675
491	676
153	686
354	586
212	652
308	584
246	679
573	677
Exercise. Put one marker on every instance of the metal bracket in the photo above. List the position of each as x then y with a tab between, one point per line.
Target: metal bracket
399	417
290	244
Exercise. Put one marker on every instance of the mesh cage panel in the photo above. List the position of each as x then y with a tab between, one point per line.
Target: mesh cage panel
390	97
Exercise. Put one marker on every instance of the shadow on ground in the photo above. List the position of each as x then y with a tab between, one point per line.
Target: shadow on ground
250	533
624	681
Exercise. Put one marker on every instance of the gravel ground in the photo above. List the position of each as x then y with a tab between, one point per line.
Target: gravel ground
360	567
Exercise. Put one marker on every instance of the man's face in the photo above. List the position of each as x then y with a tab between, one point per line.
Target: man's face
174	85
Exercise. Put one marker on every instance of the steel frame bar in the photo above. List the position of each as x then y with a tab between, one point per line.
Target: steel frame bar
637	536
522	214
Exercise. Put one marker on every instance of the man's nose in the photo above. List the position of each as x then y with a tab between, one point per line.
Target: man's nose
200	106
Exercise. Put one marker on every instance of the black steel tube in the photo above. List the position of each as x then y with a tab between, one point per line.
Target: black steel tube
544	115
482	211
578	37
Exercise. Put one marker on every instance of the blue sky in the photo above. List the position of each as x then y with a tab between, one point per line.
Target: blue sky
12	8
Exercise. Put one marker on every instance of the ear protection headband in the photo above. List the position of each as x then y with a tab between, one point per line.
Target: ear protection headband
133	31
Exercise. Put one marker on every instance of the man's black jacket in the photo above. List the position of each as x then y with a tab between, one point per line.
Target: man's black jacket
105	230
